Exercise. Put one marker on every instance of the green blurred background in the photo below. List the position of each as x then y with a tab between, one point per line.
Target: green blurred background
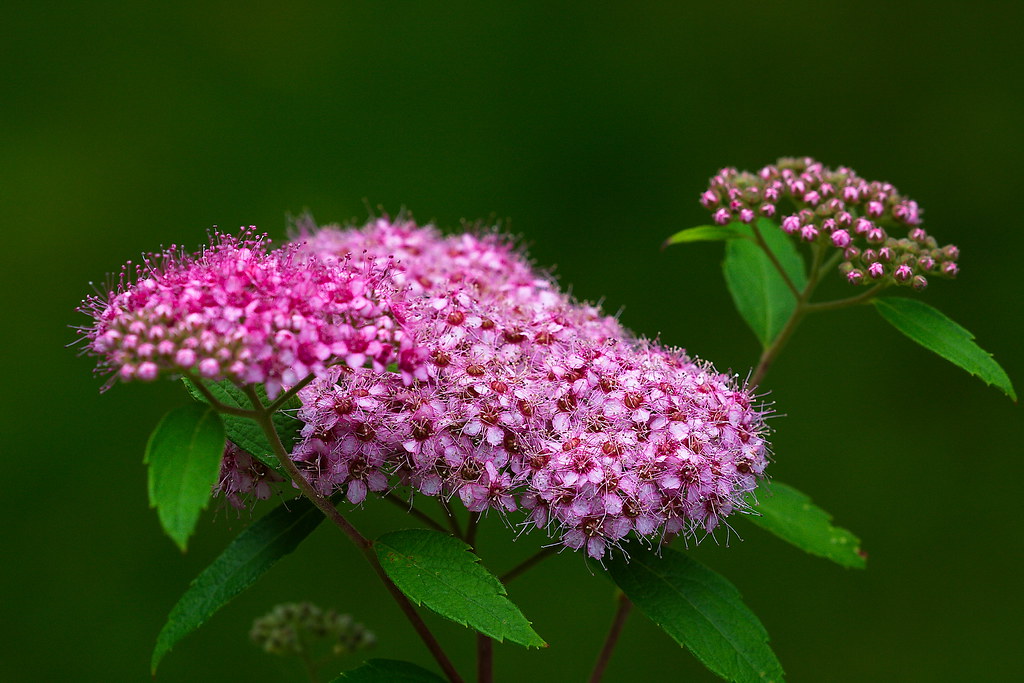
589	130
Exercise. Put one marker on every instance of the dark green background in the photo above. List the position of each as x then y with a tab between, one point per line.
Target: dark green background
589	130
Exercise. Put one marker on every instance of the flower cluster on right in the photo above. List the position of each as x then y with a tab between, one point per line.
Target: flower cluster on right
528	400
839	208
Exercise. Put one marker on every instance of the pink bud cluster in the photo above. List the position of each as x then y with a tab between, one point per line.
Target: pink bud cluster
239	311
244	477
836	207
526	400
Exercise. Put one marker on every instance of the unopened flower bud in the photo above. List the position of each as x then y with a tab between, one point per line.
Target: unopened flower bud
903	273
767	209
863	225
875	235
876	270
841	239
950	269
721	216
851	253
709	199
809	233
875	209
885	254
790	224
746	216
855	277
844	219
919	283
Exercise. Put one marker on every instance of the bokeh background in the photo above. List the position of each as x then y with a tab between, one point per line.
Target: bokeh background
589	130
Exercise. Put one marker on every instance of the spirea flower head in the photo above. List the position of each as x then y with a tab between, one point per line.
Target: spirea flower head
527	400
237	310
877	229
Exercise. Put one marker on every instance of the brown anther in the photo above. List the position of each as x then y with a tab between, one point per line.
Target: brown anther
365	432
499	387
567	403
344	406
514	336
440	359
421	429
543	338
633	400
571	444
475	370
486	324
456	318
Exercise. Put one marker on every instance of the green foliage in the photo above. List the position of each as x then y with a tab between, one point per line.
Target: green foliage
790	515
700	609
244	432
441	572
184	454
708	233
388	671
758	290
931	329
246	558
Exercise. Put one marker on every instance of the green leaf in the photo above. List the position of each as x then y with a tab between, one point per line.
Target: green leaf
388	671
790	515
758	290
708	233
246	558
184	454
931	329
700	609
442	573
244	432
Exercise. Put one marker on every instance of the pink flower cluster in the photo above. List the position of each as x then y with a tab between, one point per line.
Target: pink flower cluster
244	477
836	207
527	400
239	311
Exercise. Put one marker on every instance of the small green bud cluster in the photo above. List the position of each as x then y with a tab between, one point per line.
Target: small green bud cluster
293	628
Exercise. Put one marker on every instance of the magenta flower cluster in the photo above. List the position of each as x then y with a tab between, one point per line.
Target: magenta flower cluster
836	207
448	364
527	400
241	312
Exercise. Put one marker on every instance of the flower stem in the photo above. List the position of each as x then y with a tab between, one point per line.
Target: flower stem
215	402
414	511
264	417
528	563
618	622
774	259
484	659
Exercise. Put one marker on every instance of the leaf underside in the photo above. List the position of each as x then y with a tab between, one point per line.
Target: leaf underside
790	515
441	572
930	328
701	610
247	557
758	290
184	454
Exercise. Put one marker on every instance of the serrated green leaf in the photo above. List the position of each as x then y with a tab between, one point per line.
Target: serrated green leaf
758	290
442	573
244	432
708	233
246	558
183	455
701	610
790	515
388	671
931	329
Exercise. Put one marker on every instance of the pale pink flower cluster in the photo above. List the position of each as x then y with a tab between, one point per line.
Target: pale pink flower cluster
239	311
838	208
527	399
